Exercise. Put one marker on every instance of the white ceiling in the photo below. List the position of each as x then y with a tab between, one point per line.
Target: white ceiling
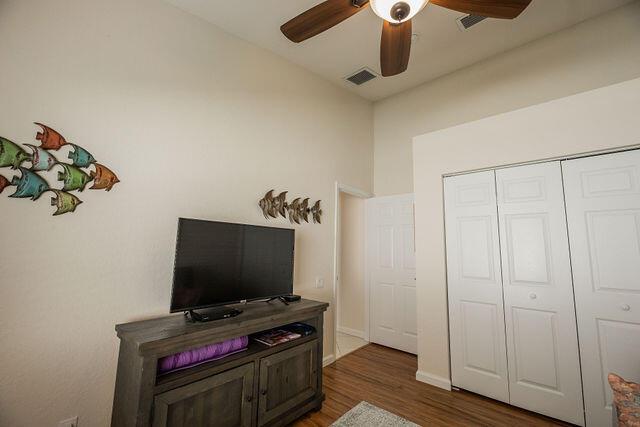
441	47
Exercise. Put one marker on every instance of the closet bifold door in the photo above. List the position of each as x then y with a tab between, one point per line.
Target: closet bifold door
542	341
603	212
476	314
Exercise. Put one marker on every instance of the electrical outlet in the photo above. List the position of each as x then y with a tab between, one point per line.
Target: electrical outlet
319	282
71	422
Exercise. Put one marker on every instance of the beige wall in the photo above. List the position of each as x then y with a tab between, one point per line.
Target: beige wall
595	120
595	53
196	123
351	288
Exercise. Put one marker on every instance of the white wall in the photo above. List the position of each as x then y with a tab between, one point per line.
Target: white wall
196	123
351	287
595	53
594	120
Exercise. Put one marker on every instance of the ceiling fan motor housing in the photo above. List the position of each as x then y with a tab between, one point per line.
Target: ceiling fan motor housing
400	10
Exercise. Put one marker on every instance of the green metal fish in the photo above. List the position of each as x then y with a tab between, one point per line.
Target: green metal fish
11	154
73	177
65	202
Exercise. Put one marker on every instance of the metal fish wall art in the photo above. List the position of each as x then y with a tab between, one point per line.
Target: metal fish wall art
49	138
29	185
297	211
103	178
41	159
11	154
64	202
75	176
4	183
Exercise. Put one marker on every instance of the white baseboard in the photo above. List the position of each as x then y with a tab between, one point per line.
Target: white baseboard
433	380
328	360
352	332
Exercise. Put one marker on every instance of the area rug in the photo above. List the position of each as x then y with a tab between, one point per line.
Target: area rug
366	414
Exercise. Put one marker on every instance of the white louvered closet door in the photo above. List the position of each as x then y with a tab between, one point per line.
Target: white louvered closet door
542	341
476	314
603	212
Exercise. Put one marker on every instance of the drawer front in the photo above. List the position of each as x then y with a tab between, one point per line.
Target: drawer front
225	399
287	379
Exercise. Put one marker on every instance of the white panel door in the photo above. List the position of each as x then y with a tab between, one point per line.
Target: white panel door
603	211
476	314
542	340
392	272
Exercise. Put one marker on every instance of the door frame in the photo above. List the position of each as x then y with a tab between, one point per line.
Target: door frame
337	243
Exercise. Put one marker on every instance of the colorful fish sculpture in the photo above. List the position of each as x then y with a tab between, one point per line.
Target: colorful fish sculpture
49	138
41	160
65	202
4	183
103	178
11	154
74	178
30	185
81	157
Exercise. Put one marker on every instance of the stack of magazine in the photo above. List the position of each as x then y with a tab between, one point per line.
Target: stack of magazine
284	334
275	337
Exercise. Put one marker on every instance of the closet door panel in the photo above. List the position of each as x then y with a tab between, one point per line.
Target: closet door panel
603	213
541	332
476	314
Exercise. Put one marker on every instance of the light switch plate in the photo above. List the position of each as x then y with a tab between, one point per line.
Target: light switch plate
319	282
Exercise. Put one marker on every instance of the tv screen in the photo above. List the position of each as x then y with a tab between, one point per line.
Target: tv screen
220	263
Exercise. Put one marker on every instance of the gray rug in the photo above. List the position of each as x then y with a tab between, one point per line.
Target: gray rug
366	414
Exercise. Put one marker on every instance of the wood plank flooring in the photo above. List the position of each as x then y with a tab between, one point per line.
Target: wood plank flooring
386	378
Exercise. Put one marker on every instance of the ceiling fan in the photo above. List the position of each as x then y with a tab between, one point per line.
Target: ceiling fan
395	47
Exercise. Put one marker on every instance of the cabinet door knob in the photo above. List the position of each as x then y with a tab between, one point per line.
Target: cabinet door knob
533	296
625	307
263	392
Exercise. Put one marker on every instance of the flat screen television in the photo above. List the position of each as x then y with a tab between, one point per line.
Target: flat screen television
220	263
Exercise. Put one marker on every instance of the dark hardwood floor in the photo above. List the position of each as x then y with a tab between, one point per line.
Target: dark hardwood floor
386	378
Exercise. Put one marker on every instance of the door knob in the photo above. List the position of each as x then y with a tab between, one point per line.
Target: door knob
533	296
625	307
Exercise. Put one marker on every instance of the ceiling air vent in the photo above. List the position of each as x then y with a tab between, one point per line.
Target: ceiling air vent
468	21
362	76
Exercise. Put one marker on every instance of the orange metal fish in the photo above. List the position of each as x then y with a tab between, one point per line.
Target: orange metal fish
51	139
4	183
103	178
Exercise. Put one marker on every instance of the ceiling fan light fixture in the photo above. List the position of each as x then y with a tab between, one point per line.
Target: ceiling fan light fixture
397	11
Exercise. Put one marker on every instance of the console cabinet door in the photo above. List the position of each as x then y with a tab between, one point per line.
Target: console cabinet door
225	400
287	379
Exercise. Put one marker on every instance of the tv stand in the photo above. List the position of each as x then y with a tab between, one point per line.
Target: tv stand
261	386
215	313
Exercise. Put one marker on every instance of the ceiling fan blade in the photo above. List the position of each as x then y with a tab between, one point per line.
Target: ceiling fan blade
503	9
395	48
320	18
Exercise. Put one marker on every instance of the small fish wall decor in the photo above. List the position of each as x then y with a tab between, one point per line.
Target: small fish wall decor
75	176
297	211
